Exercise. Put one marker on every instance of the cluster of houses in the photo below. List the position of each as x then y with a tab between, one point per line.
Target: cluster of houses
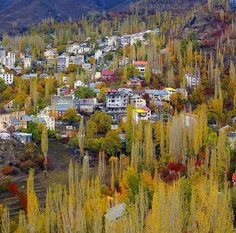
135	93
18	120
75	53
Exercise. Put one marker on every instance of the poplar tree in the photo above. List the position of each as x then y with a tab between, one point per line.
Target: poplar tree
147	75
44	144
5	224
81	136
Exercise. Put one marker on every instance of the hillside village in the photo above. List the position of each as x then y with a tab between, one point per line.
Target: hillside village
140	105
135	90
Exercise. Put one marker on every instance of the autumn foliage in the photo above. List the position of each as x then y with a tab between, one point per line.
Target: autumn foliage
13	188
7	170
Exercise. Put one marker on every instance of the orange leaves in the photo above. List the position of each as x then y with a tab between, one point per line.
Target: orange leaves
7	170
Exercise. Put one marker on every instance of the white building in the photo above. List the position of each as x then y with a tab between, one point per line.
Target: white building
135	38
140	66
8	78
79	59
49	121
78	83
136	101
27	60
9	60
62	62
116	101
50	53
98	54
192	80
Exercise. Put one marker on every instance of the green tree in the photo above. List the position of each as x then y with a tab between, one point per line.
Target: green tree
36	130
84	92
112	142
91	129
70	115
3	86
102	120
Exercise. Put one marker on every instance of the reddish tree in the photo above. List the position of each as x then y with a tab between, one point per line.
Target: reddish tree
169	176
7	170
13	188
177	167
23	200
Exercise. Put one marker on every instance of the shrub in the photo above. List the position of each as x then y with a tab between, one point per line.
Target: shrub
52	134
4	184
23	200
39	161
25	166
13	188
74	141
7	170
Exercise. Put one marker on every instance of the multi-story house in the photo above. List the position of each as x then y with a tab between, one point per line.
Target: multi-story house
108	75
62	62
50	53
27	60
87	105
9	60
192	80
140	66
116	101
68	100
158	95
135	82
142	113
135	38
79	59
8	119
137	101
8	78
98	54
47	120
74	48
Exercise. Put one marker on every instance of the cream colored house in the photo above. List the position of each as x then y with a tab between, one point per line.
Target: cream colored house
5	119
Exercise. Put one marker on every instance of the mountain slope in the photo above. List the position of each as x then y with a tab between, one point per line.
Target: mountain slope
19	13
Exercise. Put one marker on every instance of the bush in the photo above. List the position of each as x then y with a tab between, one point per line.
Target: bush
52	134
74	141
65	140
25	166
23	200
39	162
7	170
13	188
4	184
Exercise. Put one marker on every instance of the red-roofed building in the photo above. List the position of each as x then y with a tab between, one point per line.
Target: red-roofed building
141	66
108	75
